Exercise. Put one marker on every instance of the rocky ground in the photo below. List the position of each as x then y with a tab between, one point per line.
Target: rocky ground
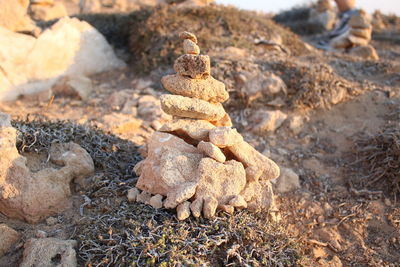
329	119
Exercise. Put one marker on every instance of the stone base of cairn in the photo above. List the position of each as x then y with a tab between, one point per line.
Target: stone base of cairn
197	163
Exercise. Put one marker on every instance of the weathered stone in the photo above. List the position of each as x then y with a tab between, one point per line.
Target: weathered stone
268	120
227	208
13	15
191	108
196	129
32	196
208	89
211	151
224	122
156	201
225	136
249	156
366	52
144	197
8	238
188	35
358	40
259	196
78	86
196	207
263	85
190	47
193	66
253	173
138	168
132	194
149	108
209	207
287	181
362	33
359	20
222	181
179	194
44	251
183	211
48	12
238	202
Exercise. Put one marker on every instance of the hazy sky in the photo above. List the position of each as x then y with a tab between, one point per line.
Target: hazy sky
386	6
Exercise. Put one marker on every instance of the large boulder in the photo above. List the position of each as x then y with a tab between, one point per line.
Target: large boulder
33	196
69	48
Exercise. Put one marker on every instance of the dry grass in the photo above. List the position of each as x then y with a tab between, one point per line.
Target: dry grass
113	232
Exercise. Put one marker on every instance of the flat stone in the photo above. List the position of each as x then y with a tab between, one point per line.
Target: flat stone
196	129
191	108
224	122
183	211
156	201
225	136
188	35
220	180
8	238
362	33
358	40
359	21
365	51
249	156
208	89
190	47
211	151
193	66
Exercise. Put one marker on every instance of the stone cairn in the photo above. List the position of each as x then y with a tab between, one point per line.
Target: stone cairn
197	163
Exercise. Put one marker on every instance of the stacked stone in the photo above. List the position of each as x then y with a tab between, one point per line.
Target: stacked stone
197	161
358	34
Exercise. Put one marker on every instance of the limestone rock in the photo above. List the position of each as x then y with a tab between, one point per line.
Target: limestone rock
190	47
249	156
180	194
209	207
224	122
156	201
191	108
132	194
32	196
259	196
183	211
193	66
263	85
268	120
227	208
238	202
366	52
76	87
8	238
14	17
362	33
69	48
48	12
225	136
44	251
221	181
170	162
196	129
211	151
144	197
208	89
196	207
189	36
287	181
360	20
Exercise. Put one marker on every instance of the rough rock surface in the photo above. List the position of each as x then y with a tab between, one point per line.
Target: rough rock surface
183	211
8	238
208	89
69	48
365	52
212	151
33	196
14	17
186	107
170	162
288	181
268	120
263	84
196	129
190	47
225	136
49	252
193	66
48	11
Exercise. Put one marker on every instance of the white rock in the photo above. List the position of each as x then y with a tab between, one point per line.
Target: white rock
288	181
268	120
69	48
132	194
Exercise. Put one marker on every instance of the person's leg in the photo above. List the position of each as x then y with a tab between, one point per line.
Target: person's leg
345	5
